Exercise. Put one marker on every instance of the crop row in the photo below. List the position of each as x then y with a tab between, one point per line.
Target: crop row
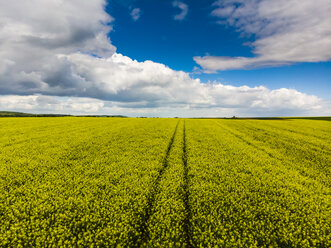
243	197
307	154
88	186
109	182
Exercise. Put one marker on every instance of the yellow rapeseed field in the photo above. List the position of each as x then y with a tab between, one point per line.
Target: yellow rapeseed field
140	182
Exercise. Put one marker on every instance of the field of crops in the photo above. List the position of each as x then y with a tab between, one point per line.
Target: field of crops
105	182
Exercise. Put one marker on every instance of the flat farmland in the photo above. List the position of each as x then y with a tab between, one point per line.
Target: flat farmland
140	182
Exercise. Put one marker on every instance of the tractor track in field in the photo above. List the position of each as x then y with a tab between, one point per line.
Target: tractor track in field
288	130
248	142
282	161
188	213
285	139
143	227
271	155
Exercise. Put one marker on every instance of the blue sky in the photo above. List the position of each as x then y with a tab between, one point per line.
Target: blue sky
166	58
160	38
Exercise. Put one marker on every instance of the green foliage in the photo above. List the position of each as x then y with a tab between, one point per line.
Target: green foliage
19	114
108	182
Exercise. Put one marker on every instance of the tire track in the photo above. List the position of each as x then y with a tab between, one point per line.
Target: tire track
247	142
143	227
289	130
286	138
281	160
271	155
187	221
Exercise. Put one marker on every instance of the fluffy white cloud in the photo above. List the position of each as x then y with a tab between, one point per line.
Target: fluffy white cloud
34	33
287	31
135	14
261	101
56	56
53	25
183	7
50	104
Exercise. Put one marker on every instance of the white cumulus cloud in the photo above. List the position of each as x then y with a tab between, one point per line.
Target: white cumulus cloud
184	9
56	56
135	14
50	104
286	31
